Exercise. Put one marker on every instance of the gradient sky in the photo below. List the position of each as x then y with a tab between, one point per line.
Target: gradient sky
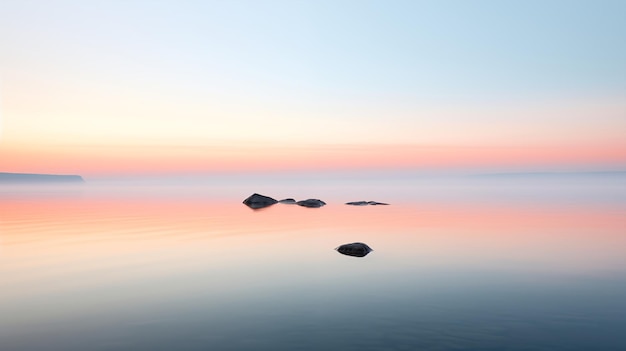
116	87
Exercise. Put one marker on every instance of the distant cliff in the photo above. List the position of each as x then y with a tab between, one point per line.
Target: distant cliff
39	178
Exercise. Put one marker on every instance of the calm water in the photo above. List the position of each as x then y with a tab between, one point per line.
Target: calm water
478	263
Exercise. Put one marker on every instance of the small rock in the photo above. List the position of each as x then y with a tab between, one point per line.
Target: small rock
354	249
357	203
287	201
256	201
311	203
365	203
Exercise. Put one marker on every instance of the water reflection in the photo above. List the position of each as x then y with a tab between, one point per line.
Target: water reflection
102	271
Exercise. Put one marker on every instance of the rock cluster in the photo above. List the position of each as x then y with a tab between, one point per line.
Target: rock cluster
256	201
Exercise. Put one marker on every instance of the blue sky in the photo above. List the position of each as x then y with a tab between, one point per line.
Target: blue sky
199	73
430	48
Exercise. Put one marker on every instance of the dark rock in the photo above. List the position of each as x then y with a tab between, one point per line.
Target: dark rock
357	203
354	249
365	203
287	201
311	203
256	201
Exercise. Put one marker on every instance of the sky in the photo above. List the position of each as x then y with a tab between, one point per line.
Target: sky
154	87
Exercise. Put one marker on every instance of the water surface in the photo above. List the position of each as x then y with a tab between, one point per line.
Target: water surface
458	264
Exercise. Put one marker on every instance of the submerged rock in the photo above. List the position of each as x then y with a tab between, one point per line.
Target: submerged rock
365	203
354	249
288	201
311	203
357	203
256	201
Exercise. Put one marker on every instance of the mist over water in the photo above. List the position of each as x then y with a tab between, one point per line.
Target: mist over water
567	189
472	262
